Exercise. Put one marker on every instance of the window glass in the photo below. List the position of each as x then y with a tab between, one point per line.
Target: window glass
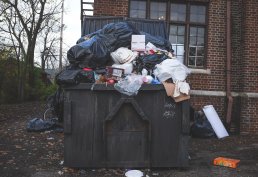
138	9
158	10
196	47
197	14
178	12
177	39
187	26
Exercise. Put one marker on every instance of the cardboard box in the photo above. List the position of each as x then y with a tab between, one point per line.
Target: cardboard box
170	88
138	43
226	162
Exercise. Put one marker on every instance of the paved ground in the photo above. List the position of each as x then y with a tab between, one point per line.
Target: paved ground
24	154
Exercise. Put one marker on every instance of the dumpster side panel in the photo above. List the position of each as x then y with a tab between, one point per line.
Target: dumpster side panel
104	128
78	149
165	116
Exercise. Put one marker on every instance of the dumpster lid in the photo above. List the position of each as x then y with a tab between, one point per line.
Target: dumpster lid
153	27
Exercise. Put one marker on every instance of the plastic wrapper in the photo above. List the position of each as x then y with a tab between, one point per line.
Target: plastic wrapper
129	85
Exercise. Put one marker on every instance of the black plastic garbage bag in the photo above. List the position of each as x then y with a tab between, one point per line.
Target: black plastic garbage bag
40	125
201	128
148	62
157	41
95	49
68	77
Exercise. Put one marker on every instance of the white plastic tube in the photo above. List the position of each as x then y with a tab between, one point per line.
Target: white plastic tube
215	121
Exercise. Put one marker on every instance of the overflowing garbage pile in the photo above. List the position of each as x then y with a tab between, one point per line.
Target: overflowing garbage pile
119	54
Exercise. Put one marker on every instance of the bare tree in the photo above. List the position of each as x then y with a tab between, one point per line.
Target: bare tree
23	21
49	44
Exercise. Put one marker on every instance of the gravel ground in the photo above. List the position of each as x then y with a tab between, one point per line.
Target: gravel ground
29	154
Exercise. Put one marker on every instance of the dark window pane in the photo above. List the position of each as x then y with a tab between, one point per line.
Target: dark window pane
178	12
200	31
199	61
192	40
138	9
173	29
200	51
197	14
193	31
191	61
192	51
181	30
133	13
181	40
142	5
154	15
134	4
141	14
200	41
172	39
158	10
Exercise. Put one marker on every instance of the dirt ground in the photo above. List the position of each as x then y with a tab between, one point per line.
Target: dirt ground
27	154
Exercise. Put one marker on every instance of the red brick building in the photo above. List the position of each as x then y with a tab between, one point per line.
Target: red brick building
217	39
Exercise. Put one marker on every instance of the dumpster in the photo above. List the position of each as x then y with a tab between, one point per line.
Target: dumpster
104	128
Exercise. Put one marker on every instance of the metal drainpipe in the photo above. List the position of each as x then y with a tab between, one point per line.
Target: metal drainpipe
228	71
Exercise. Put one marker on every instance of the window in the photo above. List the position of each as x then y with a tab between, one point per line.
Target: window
177	39
187	26
138	9
87	7
158	10
188	41
196	47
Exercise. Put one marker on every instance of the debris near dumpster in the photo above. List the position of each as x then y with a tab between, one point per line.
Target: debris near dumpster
40	125
226	162
215	121
134	173
201	127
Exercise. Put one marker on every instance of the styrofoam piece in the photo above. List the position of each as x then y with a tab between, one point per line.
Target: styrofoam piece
134	173
215	121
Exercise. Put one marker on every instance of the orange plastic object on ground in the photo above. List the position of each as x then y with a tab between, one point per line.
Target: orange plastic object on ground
226	162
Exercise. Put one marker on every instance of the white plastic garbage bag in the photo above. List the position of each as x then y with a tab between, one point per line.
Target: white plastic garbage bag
171	68
123	55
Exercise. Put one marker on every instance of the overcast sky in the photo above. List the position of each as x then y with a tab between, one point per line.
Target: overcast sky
72	23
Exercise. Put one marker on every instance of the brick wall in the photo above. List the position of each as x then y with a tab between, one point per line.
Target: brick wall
111	8
236	29
244	57
249	67
218	103
249	118
216	61
216	53
249	62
